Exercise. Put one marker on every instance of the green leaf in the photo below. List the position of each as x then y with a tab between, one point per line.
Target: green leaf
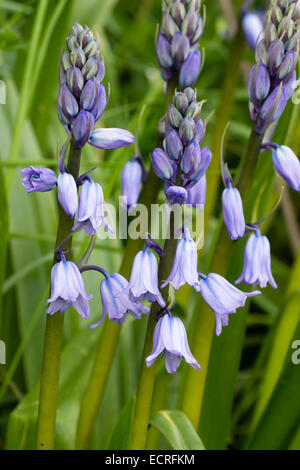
177	429
120	438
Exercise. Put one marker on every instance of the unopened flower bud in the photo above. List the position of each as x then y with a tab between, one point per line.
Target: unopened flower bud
176	195
163	52
82	128
190	69
161	164
187	130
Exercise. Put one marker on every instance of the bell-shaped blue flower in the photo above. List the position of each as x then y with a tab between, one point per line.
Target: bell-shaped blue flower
184	269
67	289
233	213
82	128
197	193
161	164
170	339
131	183
222	297
144	278
287	165
67	193
257	262
91	208
116	302
111	138
38	179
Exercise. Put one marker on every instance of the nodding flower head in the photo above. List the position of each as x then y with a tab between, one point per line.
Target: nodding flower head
67	193
91	208
38	179
116	302
257	262
287	165
67	289
233	214
82	97
184	269
144	278
222	297
170	340
131	183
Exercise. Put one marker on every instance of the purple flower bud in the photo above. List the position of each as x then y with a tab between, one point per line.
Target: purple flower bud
261	53
206	157
101	103
176	195
67	289
187	130
271	110
275	56
77	57
175	117
67	193
67	102
111	138
90	68
173	144
288	65
222	297
259	84
191	158
190	69
197	193
200	129
252	27
91	209
144	278
290	86
180	47
233	213
131	183
184	269
38	179
257	262
163	52
82	128
116	302
287	165
161	164
100	71
75	81
170	339
181	102
89	95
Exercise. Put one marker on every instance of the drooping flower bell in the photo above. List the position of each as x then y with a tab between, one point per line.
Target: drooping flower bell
82	97
222	297
67	289
131	183
170	339
233	213
197	193
184	268
144	278
116	302
67	193
38	179
257	262
287	165
91	208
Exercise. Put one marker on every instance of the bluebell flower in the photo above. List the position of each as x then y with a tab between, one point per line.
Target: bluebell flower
190	69
184	268
257	262
161	164
111	138
67	289
38	179
252	26
287	165
67	193
222	297
197	193
170	339
176	195
116	302
233	213
131	183
144	278
82	128
91	208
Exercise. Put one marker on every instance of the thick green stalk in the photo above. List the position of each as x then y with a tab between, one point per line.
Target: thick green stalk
147	374
204	330
53	335
109	337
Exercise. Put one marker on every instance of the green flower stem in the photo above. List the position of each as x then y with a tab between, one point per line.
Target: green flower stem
54	333
147	374
109	337
205	326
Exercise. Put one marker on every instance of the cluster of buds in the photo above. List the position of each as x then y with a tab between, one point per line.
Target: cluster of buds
182	163
272	79
82	97
176	46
